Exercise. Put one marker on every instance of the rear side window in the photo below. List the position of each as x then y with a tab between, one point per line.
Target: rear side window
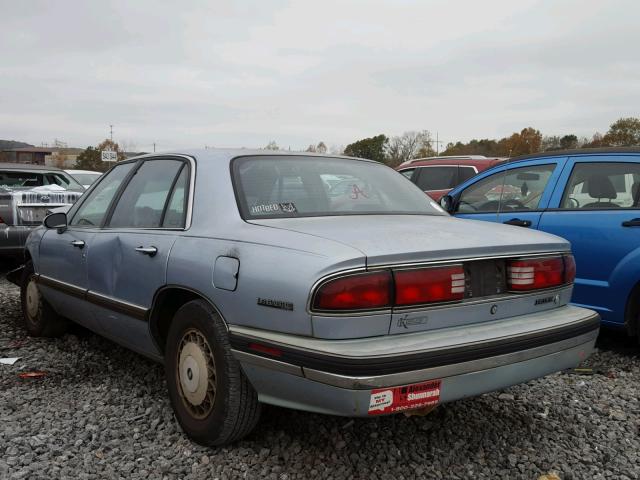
465	173
142	203
437	178
606	185
292	186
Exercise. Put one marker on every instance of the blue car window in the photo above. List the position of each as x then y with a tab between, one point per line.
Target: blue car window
519	189
606	185
94	208
523	187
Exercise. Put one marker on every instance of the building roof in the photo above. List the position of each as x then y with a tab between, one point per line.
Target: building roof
29	150
28	166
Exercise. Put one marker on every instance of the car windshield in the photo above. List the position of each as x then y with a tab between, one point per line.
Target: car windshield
290	186
86	178
16	179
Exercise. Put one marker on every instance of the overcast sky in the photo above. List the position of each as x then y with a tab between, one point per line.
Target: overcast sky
216	73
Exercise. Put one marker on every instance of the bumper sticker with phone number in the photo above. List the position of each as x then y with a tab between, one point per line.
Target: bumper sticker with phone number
407	397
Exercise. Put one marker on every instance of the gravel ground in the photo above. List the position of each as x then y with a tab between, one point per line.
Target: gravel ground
102	412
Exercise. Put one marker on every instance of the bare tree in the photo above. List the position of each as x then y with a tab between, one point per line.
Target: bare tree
409	145
272	145
321	148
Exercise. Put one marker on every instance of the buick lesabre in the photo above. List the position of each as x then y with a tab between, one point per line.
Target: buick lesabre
254	281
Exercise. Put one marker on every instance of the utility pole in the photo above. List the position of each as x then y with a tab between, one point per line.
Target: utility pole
111	132
154	147
437	142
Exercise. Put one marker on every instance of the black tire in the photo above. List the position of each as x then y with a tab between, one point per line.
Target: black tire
40	319
198	336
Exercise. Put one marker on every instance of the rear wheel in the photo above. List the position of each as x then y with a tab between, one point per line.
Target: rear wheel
213	400
40	319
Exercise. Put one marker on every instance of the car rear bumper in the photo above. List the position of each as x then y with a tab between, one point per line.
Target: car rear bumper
338	376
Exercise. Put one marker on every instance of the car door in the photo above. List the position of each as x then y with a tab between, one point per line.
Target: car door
64	252
129	257
598	211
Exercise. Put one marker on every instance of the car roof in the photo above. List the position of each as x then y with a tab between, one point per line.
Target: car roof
83	171
577	152
28	166
454	161
225	155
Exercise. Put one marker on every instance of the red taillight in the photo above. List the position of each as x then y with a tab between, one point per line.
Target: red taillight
1	220
355	292
427	285
538	273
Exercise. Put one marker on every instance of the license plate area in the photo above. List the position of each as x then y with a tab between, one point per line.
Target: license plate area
485	278
405	398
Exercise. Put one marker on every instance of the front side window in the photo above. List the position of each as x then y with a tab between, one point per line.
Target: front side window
437	178
290	186
605	185
94	208
142	203
519	189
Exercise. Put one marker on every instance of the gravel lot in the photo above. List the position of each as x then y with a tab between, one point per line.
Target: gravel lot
102	412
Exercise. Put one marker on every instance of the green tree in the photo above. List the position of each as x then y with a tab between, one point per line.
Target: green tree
91	157
569	142
372	148
624	132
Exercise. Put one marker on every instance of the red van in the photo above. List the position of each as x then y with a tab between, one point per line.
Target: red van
437	175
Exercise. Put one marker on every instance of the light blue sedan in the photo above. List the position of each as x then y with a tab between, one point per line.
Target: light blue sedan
253	280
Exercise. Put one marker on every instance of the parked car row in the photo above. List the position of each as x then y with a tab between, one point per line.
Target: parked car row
322	283
28	193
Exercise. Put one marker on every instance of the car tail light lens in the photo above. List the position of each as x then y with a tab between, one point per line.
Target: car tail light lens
569	268
355	292
538	273
427	285
1	220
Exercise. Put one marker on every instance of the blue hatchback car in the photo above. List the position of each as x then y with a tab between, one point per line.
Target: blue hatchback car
591	197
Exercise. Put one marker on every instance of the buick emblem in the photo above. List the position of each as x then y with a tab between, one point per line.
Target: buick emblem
44	199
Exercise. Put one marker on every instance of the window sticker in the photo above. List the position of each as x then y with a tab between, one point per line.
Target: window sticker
271	208
408	397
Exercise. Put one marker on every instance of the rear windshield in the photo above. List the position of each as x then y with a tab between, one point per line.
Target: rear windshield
277	187
86	178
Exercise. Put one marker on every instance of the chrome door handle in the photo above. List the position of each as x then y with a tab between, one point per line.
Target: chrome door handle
78	243
151	251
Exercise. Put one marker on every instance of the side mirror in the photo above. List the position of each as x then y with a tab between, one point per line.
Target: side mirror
446	202
56	220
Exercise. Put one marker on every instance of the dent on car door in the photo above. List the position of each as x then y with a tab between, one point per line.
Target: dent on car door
129	257
599	213
63	253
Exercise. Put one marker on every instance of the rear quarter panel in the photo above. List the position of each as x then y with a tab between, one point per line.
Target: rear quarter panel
280	266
